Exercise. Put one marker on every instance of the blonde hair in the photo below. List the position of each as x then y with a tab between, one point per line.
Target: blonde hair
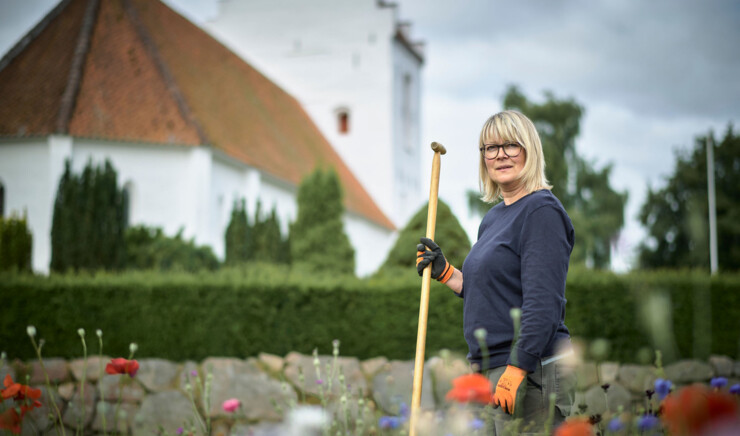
513	126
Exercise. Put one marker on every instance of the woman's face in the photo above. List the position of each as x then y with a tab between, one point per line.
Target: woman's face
502	169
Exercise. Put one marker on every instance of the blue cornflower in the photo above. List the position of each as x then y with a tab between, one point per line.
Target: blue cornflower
735	389
718	382
387	422
647	422
476	424
662	387
616	425
403	411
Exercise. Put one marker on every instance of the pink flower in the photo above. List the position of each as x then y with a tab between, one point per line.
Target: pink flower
231	405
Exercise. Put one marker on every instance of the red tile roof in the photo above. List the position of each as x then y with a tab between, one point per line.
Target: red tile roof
150	75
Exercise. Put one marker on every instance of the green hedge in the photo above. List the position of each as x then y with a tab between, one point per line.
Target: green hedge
240	313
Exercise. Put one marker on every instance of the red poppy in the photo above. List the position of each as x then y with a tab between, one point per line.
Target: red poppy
695	407
122	366
19	392
471	387
575	427
11	420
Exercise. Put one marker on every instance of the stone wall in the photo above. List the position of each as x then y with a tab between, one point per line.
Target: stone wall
159	396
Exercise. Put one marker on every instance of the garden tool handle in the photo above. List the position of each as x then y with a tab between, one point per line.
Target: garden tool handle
426	282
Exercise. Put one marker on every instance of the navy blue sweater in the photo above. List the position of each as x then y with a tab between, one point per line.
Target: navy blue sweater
520	260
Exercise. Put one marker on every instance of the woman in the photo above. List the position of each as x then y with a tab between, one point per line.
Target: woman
520	260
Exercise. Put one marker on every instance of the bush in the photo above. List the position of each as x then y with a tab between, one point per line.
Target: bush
268	308
89	223
317	238
15	244
149	248
449	235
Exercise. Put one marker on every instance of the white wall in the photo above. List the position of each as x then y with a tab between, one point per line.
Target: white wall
172	187
24	170
333	54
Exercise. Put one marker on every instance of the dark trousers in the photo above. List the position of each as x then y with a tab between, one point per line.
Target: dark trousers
552	380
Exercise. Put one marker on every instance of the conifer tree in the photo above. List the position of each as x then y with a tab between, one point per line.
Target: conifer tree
88	225
238	236
15	244
449	235
63	222
318	242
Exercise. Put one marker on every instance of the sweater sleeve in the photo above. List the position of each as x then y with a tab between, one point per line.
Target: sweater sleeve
546	244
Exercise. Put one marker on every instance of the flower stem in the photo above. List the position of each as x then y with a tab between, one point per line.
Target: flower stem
58	421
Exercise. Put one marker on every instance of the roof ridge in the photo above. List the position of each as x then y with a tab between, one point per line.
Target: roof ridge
32	34
69	97
169	80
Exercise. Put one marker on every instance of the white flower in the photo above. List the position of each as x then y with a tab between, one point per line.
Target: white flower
307	421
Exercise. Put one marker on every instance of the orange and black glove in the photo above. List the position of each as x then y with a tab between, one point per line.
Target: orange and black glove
507	387
441	269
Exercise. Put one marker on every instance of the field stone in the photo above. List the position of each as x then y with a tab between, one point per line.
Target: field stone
55	367
233	378
260	429
617	395
688	371
586	375
722	365
6	369
74	412
736	369
608	372
393	386
349	366
36	421
637	378
169	409
126	414
157	374
370	367
272	362
66	390
443	371
94	364
186	376
113	385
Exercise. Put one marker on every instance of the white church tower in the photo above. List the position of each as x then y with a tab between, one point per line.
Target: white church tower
355	70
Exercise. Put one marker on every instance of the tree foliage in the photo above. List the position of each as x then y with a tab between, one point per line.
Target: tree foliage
239	236
317	238
149	248
88	224
15	244
261	241
596	209
676	215
449	235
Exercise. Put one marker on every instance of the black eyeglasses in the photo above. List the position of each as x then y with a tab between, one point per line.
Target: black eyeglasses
490	151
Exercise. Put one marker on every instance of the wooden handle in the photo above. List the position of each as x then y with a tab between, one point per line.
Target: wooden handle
426	283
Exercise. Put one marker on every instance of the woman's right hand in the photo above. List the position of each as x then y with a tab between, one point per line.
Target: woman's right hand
441	269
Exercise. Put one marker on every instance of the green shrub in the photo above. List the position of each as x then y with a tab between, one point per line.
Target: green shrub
149	248
15	244
269	308
449	235
317	238
89	222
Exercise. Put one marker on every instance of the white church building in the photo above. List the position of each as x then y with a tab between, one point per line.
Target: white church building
191	127
355	69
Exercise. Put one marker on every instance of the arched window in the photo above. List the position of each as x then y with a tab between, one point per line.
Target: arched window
343	120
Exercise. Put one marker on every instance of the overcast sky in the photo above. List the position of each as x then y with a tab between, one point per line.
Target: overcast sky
651	76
